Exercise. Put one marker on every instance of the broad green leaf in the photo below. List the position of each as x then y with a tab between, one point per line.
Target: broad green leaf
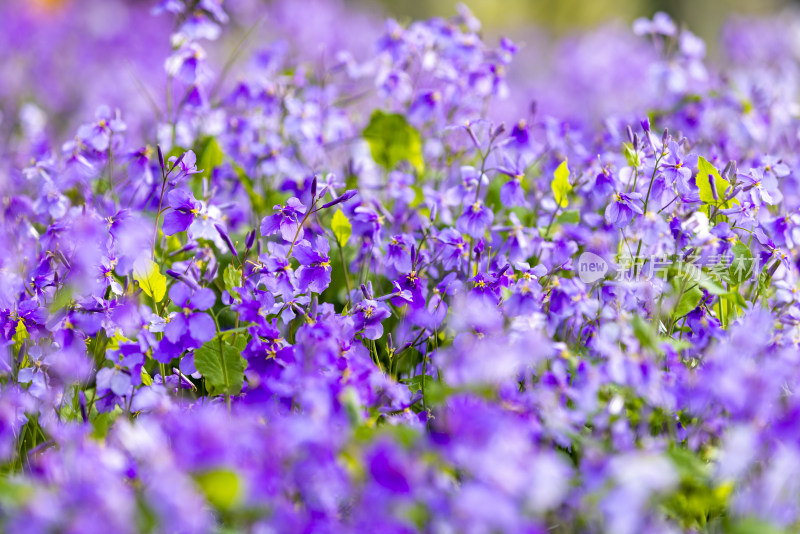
415	383
224	373
561	186
211	157
752	525
689	300
741	268
392	139
146	378
20	333
232	277
645	332
116	339
102	423
63	299
222	488
569	217
709	284
705	173
152	282
341	227
14	492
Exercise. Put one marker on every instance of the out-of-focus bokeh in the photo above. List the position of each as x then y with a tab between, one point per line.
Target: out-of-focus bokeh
558	17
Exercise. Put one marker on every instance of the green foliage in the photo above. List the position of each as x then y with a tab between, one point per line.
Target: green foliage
689	298
697	500
560	185
752	525
211	157
342	229
392	140
223	371
221	487
101	423
152	282
232	277
20	335
644	332
741	267
569	217
706	171
631	156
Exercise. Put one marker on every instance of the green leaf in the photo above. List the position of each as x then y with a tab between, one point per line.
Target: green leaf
751	525
63	299
645	332
102	423
569	217
709	284
561	186
232	277
152	282
20	334
741	268
392	139
632	156
222	488
415	383
146	378
705	173
224	373
211	157
341	227
689	300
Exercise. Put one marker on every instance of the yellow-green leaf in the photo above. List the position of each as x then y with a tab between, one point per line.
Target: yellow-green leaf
392	139
561	186
705	173
150	279
20	334
341	227
222	488
146	378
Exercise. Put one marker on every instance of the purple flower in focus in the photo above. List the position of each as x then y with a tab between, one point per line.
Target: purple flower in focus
184	328
185	209
368	315
314	273
622	209
286	221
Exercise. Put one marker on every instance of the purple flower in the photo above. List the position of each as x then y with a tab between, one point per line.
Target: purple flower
188	64
35	373
98	134
622	209
314	273
286	221
368	315
185	209
475	219
183	166
125	373
677	168
184	328
398	253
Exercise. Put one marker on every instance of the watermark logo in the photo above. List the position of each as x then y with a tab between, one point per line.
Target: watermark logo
591	267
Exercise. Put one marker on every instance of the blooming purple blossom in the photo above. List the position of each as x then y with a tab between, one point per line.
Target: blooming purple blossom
491	346
286	221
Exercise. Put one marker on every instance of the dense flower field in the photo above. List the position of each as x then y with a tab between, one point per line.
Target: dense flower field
287	267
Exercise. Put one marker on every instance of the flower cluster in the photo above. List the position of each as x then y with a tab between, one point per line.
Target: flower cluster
309	271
